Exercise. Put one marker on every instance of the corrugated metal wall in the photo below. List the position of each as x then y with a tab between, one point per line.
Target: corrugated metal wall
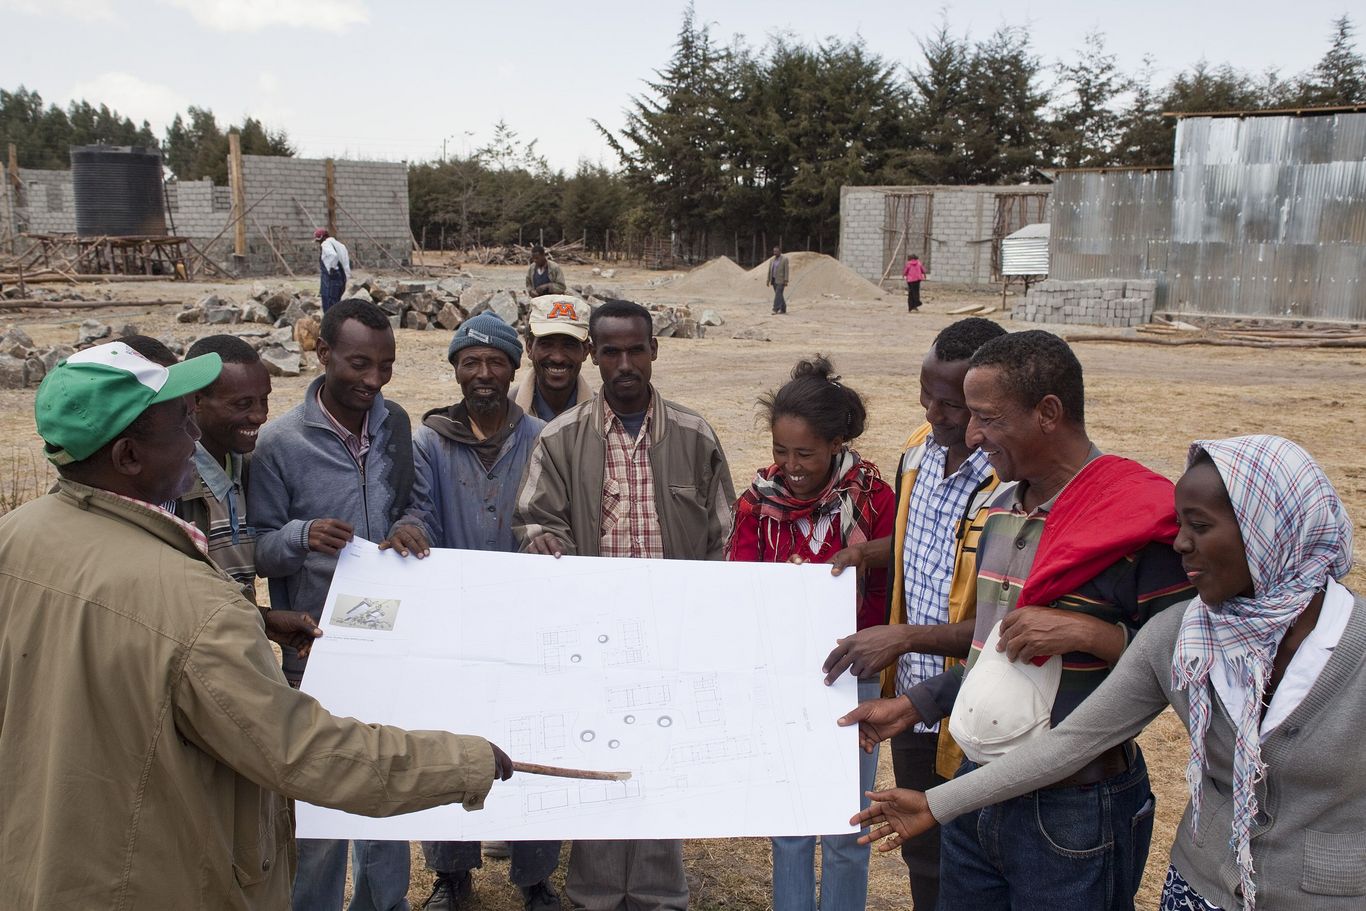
1111	224
1268	217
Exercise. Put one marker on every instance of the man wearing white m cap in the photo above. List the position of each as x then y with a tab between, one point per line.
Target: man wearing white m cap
150	742
557	342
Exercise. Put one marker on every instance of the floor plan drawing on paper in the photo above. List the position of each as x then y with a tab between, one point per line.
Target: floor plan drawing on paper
700	679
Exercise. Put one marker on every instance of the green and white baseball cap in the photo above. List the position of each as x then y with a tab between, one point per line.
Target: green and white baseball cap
92	396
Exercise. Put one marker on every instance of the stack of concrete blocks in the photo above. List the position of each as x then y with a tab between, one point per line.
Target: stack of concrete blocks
962	222
1094	302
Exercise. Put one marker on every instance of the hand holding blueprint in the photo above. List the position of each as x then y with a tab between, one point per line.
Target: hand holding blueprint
701	679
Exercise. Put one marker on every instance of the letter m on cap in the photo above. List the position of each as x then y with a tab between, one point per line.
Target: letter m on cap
563	308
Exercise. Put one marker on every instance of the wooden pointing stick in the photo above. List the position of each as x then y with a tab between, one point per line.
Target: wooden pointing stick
531	768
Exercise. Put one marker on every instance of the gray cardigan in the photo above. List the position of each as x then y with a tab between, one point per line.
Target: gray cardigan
1309	841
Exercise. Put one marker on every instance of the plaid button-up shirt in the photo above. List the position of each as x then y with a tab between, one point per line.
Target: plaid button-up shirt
936	508
630	518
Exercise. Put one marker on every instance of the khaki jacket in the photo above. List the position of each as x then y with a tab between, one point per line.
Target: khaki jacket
777	274
557	285
561	489
147	735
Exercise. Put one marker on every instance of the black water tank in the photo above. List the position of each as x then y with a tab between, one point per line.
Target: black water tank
118	191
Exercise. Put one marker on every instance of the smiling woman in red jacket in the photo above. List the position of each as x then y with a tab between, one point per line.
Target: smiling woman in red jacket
817	498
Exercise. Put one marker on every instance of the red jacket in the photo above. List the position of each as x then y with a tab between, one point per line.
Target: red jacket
872	609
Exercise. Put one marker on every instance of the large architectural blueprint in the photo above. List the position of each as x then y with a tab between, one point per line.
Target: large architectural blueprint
701	679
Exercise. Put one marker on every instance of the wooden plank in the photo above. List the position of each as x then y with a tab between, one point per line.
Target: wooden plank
971	308
239	195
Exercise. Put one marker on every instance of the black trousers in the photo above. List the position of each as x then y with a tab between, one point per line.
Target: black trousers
912	295
913	758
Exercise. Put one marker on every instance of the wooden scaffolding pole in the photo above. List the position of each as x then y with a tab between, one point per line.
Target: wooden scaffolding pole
239	198
330	175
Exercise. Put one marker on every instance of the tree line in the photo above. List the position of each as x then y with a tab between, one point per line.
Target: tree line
730	147
194	147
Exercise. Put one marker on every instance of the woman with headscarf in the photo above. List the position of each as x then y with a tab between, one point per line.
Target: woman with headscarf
817	498
1267	669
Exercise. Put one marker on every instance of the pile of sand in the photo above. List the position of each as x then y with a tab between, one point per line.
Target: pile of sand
817	275
812	275
718	276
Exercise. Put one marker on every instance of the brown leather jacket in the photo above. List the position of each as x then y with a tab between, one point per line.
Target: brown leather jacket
147	735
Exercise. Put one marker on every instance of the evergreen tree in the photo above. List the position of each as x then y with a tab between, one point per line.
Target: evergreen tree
939	95
1339	78
1086	127
1004	129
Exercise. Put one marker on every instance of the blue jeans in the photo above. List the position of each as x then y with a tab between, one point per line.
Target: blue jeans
532	862
379	874
1079	847
331	286
779	305
844	862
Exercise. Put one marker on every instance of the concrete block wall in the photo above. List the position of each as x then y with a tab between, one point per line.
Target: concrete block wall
962	221
45	205
193	210
862	212
1094	302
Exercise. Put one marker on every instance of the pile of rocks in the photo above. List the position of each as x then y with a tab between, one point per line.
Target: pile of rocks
22	363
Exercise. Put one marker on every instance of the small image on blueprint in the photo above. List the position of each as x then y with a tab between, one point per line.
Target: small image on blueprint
358	612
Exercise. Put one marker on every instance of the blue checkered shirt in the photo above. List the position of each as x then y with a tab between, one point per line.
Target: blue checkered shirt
936	506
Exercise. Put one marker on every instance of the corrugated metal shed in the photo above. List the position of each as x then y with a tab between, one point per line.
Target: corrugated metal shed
1111	223
1025	252
1269	217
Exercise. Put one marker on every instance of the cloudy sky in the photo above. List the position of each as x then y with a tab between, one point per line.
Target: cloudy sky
394	80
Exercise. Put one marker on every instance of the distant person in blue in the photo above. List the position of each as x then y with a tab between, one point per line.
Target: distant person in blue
334	267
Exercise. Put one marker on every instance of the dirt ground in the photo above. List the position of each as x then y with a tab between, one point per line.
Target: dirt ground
1143	401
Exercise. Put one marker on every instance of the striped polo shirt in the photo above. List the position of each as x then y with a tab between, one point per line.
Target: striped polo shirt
1128	593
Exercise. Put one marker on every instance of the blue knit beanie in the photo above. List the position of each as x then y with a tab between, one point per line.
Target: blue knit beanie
489	330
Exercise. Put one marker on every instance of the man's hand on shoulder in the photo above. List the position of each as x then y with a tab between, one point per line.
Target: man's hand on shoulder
407	540
329	536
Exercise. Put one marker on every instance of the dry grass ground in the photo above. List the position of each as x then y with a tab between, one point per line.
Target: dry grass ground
1142	401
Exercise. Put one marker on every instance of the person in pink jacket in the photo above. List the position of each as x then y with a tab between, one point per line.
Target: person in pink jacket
914	273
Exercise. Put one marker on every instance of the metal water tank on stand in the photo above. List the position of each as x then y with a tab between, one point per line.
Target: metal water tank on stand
119	191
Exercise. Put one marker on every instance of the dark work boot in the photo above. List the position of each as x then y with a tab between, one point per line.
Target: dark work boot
451	891
540	897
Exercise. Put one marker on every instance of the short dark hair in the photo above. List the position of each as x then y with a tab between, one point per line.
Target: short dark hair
232	349
816	395
1037	364
537	248
366	313
960	341
150	348
622	309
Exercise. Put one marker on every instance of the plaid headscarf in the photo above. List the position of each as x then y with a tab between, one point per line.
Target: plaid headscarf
1296	534
850	490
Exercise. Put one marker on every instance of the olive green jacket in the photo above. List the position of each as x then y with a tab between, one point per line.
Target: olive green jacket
148	739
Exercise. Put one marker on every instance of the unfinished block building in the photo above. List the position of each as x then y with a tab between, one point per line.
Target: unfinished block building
261	223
